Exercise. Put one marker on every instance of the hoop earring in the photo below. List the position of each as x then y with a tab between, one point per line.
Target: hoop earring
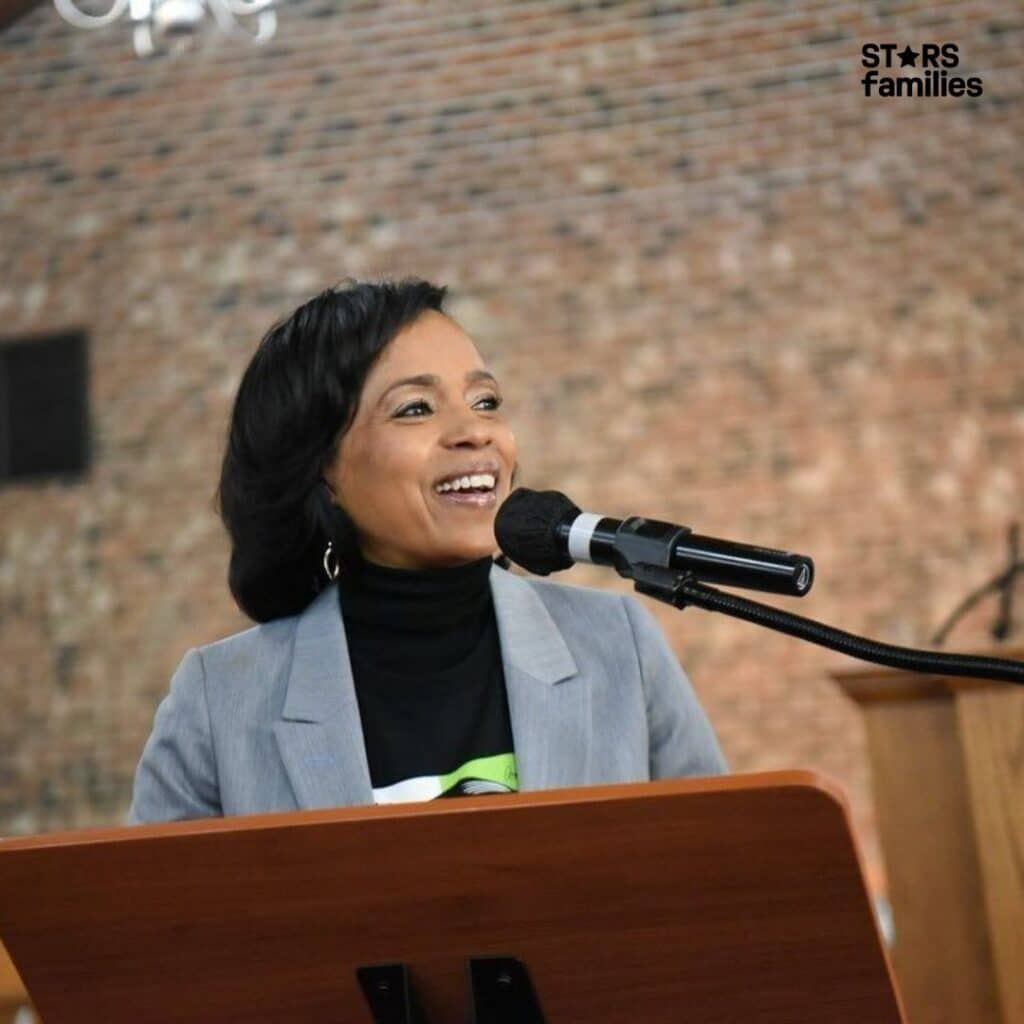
332	573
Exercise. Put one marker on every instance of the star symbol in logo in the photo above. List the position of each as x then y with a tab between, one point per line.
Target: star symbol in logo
908	56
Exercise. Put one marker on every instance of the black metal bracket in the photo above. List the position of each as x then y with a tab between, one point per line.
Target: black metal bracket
645	542
500	992
389	991
662	583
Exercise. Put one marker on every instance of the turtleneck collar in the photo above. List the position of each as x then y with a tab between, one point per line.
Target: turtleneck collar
415	600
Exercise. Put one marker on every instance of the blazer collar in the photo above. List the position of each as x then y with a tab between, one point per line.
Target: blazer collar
319	663
530	640
327	764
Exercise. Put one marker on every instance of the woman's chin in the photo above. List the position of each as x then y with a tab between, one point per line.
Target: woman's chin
470	549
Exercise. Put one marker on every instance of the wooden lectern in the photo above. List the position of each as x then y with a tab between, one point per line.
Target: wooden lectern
12	992
947	763
721	900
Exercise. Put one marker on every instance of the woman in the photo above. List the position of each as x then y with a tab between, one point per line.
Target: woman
366	458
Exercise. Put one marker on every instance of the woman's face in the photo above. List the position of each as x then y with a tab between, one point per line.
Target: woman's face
428	416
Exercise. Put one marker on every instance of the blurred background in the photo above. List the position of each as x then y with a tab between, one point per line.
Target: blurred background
720	285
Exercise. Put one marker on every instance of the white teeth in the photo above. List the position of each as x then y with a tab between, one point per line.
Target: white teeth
463	483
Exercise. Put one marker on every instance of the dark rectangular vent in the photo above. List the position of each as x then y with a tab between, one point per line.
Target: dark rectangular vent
44	406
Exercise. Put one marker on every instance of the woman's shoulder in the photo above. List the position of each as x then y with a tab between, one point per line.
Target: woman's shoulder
239	651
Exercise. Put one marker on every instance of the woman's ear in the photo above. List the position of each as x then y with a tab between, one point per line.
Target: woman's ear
331	496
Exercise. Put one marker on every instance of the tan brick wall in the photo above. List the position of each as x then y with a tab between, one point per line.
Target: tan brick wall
721	286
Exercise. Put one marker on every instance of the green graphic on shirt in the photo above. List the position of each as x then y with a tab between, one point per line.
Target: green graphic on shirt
500	768
494	774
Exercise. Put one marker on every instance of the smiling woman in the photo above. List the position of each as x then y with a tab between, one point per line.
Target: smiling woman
397	659
428	458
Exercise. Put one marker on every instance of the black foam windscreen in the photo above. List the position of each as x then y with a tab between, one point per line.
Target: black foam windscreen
526	526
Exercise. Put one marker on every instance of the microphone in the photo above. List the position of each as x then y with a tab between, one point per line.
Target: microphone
544	532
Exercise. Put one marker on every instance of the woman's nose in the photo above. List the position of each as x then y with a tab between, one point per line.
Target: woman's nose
467	429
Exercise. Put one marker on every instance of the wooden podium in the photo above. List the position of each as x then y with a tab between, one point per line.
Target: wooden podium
12	992
947	762
738	898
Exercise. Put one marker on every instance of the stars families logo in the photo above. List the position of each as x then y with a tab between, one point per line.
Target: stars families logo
931	76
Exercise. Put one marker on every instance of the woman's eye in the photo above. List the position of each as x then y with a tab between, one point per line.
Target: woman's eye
493	399
411	407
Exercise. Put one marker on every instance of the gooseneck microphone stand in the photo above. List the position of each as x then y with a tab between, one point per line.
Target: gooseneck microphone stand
682	588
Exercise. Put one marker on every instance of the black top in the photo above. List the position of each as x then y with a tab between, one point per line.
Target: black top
426	662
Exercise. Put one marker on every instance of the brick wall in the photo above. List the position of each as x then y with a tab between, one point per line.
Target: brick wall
720	285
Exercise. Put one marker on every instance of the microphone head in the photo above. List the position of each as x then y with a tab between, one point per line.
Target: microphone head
526	528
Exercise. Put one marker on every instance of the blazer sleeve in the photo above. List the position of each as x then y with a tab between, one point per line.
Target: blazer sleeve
176	776
682	741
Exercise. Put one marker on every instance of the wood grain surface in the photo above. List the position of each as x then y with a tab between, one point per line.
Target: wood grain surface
992	728
713	900
941	951
12	992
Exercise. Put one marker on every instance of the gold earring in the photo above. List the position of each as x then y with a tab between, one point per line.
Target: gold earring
332	573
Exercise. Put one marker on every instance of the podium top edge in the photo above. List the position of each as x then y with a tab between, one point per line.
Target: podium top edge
807	779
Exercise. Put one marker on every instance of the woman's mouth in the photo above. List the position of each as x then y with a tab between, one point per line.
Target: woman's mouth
474	490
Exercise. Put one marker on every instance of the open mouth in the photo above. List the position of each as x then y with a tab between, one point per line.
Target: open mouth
476	490
470	483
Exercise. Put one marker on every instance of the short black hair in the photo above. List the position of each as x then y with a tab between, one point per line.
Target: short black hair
296	398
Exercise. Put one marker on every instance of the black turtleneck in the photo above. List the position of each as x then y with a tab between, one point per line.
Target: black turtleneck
426	660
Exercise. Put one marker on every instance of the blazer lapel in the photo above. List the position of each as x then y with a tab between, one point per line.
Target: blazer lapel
320	738
319	735
549	702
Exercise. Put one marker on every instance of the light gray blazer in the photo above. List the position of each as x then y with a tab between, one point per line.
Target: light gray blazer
267	719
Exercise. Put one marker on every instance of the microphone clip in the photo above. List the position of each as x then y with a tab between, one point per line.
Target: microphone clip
649	543
662	583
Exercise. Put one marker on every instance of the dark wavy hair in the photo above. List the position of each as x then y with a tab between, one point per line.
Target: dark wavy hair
296	399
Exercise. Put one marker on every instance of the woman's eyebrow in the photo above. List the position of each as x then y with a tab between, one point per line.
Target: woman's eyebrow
428	380
474	375
431	380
